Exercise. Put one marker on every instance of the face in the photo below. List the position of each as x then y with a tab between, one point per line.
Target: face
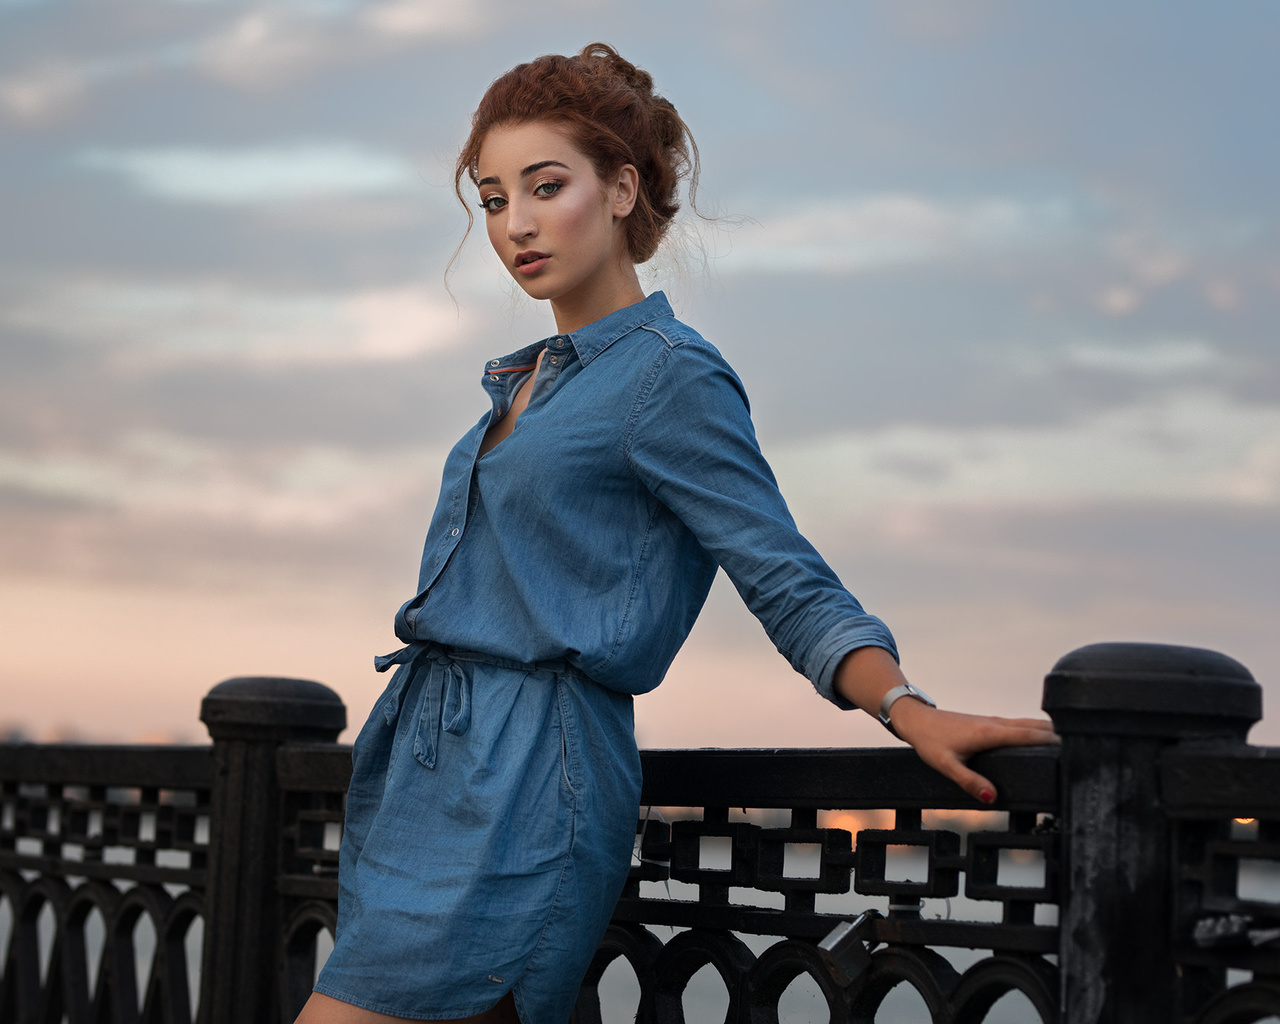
557	228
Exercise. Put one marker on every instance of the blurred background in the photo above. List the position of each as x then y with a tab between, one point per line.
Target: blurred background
1001	277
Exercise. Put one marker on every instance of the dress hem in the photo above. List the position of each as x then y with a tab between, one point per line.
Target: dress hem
365	1004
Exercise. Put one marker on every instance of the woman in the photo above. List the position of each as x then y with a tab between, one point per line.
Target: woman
495	787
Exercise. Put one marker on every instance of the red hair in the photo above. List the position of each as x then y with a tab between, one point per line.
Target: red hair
607	107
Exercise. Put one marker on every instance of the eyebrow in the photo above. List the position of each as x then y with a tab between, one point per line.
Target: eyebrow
531	169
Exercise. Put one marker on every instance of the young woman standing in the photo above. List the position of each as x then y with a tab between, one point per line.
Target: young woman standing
494	796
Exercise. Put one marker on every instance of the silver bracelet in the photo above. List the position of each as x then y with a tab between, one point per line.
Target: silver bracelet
896	694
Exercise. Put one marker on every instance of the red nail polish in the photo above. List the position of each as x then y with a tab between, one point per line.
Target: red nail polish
987	796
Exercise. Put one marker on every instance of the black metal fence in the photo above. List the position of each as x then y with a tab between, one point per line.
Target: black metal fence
1130	876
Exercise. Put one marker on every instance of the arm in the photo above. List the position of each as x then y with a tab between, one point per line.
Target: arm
692	444
944	739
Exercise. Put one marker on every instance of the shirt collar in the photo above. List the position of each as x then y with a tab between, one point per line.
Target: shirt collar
593	339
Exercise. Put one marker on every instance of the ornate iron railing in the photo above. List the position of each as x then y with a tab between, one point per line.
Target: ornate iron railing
1132	875
103	864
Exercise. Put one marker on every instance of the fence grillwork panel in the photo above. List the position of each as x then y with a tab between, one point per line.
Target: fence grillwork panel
878	842
103	856
200	884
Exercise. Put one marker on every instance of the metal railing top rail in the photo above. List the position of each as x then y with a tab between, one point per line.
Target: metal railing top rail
163	766
1221	781
848	779
854	778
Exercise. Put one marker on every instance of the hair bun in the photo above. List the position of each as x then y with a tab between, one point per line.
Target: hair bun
639	79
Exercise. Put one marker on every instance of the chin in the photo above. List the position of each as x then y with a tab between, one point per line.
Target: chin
536	289
532	290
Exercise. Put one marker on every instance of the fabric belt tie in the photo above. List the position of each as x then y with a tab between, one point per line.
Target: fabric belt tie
445	700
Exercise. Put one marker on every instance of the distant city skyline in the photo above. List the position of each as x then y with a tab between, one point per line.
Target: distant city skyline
1001	278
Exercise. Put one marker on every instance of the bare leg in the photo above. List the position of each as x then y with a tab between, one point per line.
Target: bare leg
322	1009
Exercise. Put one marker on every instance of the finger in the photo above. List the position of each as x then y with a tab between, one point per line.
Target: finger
977	786
1029	738
1004	740
1012	732
1042	724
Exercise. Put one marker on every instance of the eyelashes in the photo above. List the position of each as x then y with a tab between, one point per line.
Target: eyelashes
542	190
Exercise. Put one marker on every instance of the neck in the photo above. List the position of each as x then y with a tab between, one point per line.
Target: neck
601	298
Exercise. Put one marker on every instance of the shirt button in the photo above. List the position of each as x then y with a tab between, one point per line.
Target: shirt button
554	360
559	342
453	532
495	362
493	376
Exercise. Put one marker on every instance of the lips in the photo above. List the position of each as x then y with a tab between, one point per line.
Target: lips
530	261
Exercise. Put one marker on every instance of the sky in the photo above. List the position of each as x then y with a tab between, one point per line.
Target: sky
1001	278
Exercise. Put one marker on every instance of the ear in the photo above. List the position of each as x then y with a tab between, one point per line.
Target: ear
626	188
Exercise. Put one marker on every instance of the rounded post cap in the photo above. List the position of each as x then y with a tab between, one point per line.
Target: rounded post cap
260	706
1142	689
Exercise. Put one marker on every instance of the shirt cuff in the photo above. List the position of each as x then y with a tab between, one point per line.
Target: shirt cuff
849	635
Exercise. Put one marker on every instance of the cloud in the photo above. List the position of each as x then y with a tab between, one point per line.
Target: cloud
55	85
1188	446
172	478
268	46
47	91
1118	300
895	230
40	93
255	46
1157	359
1150	261
1153	359
1222	294
248	177
272	45
153	326
409	18
1139	258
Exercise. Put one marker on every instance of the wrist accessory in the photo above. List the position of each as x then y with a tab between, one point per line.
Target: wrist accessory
896	694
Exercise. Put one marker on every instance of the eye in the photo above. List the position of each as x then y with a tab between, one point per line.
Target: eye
492	204
546	189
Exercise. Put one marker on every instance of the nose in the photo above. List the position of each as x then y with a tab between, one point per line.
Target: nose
520	222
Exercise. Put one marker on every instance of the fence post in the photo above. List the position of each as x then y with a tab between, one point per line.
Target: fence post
1117	706
248	719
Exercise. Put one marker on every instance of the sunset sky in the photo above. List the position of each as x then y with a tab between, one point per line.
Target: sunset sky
1001	278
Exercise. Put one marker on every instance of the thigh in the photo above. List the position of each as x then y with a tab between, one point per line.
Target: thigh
322	1009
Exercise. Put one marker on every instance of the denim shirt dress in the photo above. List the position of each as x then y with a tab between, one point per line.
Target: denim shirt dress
562	571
